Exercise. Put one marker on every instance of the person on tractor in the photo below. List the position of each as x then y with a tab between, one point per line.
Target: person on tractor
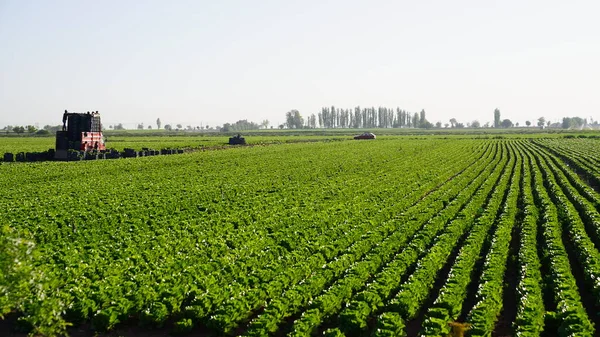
65	121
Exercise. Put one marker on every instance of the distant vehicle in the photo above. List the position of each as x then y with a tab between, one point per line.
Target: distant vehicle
237	140
366	135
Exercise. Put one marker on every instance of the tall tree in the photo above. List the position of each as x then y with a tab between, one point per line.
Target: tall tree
294	120
496	118
391	120
349	117
158	123
332	117
299	119
289	119
541	122
357	118
312	121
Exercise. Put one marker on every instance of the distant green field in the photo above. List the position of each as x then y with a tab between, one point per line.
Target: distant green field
155	139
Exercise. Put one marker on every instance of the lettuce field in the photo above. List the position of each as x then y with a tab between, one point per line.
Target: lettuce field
392	237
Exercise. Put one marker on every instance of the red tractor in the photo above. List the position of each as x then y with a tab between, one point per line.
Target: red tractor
80	132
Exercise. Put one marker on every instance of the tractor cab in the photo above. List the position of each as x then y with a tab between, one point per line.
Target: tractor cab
80	132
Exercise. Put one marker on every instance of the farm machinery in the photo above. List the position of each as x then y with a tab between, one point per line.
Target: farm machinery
80	132
81	138
237	140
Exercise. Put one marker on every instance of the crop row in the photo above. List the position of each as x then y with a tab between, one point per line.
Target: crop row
578	155
448	306
529	319
489	297
571	314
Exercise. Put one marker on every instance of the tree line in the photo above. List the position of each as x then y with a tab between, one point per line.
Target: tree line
31	129
382	117
358	118
332	117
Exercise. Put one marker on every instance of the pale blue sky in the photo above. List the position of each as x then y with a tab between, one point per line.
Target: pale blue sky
211	62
